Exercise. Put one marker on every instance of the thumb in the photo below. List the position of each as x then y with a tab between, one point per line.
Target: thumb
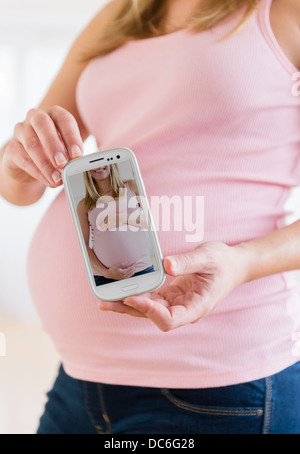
187	263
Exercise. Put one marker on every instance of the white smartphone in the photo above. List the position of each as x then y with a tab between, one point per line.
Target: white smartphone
114	225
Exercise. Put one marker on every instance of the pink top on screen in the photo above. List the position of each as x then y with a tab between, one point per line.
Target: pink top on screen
125	242
204	117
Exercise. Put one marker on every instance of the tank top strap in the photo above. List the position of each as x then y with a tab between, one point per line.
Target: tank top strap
130	193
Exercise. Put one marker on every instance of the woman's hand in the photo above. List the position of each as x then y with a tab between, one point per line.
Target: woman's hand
120	271
42	145
204	277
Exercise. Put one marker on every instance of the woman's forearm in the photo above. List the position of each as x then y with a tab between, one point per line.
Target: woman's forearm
274	253
95	262
16	191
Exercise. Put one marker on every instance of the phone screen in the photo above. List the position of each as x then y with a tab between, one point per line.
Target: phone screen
114	220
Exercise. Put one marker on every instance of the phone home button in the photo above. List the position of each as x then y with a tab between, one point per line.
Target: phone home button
129	287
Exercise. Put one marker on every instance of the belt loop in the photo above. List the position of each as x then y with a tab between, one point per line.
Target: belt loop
95	407
103	407
268	405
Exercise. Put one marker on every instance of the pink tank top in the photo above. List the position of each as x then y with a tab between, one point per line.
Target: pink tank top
114	244
208	117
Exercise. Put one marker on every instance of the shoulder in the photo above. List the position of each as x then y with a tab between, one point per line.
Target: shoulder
92	32
287	9
132	185
285	22
81	207
62	90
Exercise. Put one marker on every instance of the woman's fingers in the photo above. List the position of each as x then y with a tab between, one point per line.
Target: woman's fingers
50	141
128	274
27	165
158	313
153	306
128	271
42	145
166	317
119	307
68	129
32	155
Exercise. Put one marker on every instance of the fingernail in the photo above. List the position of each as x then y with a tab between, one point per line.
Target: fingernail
56	176
173	261
101	306
60	158
75	151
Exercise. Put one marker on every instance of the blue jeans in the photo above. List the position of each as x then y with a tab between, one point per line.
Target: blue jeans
100	280
267	406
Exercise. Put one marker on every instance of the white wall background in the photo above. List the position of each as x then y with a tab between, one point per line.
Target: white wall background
35	36
34	39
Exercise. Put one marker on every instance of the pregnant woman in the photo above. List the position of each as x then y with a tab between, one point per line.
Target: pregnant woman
110	205
201	91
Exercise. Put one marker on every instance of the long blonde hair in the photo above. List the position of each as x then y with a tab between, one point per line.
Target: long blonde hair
138	19
91	190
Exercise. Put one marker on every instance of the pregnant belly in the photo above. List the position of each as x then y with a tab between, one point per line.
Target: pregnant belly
112	247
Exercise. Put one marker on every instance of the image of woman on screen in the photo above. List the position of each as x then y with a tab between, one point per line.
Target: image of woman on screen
113	226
